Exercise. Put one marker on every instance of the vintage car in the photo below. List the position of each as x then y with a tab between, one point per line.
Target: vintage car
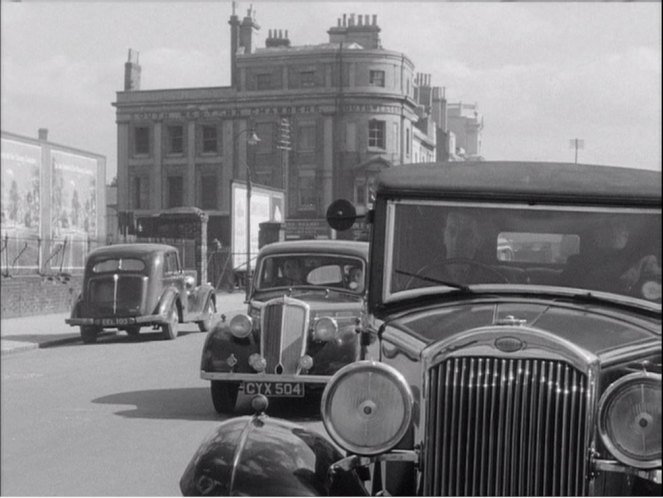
300	328
536	373
130	286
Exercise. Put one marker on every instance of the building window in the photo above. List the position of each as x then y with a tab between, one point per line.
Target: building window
407	142
351	137
306	137
175	139
139	192
376	78
376	134
263	81
307	79
209	137
175	191
265	132
360	192
306	191
208	192
141	140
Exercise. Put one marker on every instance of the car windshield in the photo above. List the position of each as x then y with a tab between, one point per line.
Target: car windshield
433	246
325	271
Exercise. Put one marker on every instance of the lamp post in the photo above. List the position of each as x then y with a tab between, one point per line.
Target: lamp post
253	139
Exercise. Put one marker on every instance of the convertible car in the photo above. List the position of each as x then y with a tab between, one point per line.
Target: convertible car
300	327
512	345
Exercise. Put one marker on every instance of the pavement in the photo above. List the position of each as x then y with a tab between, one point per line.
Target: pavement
33	332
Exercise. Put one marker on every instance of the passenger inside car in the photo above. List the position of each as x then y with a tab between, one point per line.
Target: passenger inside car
608	263
356	279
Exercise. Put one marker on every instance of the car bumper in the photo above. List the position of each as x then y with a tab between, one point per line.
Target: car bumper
257	377
117	321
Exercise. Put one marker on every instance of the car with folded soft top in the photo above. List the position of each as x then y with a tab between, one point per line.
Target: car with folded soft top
300	327
512	344
139	285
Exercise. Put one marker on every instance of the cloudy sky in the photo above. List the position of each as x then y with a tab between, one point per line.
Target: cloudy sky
541	73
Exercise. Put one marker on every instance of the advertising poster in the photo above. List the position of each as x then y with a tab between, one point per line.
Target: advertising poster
266	205
73	206
21	201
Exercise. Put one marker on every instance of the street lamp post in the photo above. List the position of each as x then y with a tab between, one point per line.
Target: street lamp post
253	139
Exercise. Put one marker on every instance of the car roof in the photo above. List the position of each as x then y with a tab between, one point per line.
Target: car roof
348	247
560	182
126	250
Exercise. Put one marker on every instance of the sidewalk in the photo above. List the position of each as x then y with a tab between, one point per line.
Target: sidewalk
33	332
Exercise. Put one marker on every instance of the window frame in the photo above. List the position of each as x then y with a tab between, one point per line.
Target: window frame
376	77
171	139
377	134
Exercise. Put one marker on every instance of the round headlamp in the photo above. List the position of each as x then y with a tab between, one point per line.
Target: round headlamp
367	407
325	329
241	325
630	419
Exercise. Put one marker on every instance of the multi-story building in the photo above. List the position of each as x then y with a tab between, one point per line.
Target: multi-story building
328	117
466	123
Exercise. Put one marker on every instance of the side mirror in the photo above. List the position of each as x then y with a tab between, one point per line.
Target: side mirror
341	215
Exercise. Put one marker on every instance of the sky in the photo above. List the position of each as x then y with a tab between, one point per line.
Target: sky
541	73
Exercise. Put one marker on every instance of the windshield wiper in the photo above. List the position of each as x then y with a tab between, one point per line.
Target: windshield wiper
455	285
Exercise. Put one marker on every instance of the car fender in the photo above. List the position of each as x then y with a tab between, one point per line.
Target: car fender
76	307
198	298
259	455
168	297
220	344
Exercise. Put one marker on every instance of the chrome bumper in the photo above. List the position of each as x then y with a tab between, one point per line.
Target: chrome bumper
135	320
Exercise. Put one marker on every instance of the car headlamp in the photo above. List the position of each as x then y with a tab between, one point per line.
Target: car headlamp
241	325
325	329
630	419
367	407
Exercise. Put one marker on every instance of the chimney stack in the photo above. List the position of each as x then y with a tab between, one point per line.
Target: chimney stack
132	72
356	28
43	134
246	29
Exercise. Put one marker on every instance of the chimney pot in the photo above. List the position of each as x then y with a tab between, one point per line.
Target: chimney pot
345	19
375	19
286	33
360	20
43	134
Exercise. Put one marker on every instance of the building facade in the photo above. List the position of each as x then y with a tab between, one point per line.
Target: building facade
328	118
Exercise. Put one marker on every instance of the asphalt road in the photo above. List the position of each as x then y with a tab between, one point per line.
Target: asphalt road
122	417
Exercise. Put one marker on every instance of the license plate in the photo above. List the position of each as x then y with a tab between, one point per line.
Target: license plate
275	389
114	322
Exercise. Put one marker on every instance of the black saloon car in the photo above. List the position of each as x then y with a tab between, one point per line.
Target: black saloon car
131	286
513	345
303	308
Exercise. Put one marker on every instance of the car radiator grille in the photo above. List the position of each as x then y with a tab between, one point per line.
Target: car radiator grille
283	337
505	427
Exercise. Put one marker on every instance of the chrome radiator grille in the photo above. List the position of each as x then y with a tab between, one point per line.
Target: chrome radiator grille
505	427
283	340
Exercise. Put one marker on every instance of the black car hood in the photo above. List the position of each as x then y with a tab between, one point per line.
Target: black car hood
592	327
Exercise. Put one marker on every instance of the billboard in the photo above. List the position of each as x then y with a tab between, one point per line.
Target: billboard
73	204
21	187
267	204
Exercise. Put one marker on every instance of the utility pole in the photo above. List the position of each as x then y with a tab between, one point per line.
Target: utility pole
285	144
577	143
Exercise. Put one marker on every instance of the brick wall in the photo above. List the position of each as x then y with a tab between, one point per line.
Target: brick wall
35	295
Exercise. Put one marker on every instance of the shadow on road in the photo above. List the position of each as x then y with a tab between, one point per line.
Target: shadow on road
196	404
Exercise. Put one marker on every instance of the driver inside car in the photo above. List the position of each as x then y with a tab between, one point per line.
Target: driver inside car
292	273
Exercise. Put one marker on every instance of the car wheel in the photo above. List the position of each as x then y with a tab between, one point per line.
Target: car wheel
89	334
133	331
170	328
224	396
205	325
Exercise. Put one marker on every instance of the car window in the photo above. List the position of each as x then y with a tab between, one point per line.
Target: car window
325	275
118	265
171	263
